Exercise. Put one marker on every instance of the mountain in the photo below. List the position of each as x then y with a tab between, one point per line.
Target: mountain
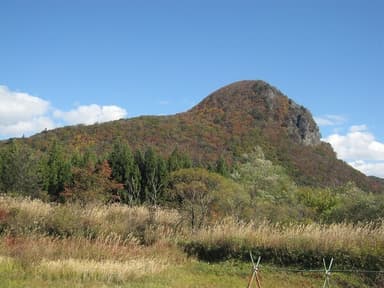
227	123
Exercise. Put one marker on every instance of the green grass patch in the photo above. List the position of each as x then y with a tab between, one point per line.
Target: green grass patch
193	274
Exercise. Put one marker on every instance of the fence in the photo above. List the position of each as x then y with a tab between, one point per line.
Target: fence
255	275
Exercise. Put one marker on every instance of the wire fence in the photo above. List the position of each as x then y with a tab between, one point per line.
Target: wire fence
327	271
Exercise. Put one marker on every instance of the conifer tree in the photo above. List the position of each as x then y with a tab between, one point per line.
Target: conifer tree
58	172
178	161
19	170
155	176
221	167
125	171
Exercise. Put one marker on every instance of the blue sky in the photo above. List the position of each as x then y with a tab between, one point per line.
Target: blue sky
64	62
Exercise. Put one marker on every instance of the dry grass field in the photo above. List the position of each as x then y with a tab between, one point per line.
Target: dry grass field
51	245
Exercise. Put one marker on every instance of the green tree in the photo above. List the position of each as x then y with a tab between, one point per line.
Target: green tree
221	167
263	179
126	171
139	160
83	159
203	196
272	192
351	204
20	171
57	171
321	200
155	175
178	161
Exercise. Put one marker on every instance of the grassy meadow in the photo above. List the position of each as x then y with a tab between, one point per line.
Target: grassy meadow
69	245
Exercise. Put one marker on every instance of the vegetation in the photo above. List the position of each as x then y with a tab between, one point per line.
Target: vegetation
152	201
354	246
123	176
109	245
225	125
203	196
251	188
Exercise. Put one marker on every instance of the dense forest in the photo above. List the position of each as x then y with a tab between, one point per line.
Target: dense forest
227	124
251	188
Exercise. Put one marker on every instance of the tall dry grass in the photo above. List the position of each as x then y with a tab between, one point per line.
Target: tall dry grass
359	245
111	259
33	232
22	216
103	270
33	207
326	238
83	259
96	242
33	249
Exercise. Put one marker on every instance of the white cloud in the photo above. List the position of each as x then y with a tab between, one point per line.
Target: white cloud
369	168
360	149
357	144
21	113
24	114
27	127
358	128
330	120
90	114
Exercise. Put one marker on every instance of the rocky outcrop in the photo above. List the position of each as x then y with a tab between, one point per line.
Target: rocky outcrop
302	126
267	105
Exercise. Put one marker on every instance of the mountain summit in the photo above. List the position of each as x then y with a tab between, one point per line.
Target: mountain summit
228	123
265	103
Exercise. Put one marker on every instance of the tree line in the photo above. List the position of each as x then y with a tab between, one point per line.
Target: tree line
253	188
131	177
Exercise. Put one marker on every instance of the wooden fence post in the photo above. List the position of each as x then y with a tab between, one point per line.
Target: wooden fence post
327	273
255	272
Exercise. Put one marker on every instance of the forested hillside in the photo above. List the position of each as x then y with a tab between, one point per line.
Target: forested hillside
226	124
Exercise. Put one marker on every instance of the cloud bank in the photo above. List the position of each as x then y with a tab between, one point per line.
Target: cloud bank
24	114
358	147
21	113
91	114
357	144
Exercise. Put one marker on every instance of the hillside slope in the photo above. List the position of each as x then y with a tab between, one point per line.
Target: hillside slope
227	123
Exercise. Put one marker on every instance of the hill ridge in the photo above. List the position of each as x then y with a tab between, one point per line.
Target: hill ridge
227	123
263	101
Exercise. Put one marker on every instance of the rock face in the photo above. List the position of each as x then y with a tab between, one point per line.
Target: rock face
298	120
268	106
302	126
